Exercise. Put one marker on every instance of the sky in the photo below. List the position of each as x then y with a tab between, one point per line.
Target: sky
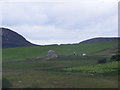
46	22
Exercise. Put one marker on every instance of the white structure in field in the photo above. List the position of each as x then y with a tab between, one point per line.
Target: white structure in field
52	54
83	54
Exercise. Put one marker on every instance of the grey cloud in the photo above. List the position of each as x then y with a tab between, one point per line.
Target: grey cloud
62	22
63	15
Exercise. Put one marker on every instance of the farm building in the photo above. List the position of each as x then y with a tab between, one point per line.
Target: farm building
52	54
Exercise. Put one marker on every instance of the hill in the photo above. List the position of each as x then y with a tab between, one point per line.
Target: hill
11	39
27	67
23	53
65	72
102	40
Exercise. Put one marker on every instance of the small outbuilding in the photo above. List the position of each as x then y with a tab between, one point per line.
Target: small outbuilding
83	54
51	54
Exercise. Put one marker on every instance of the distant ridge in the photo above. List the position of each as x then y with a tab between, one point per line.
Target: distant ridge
11	39
101	40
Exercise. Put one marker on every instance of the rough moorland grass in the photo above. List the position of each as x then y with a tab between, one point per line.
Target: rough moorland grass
48	74
60	62
58	80
41	51
96	69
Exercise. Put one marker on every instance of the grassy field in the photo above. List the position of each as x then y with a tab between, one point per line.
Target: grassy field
41	51
95	69
61	72
59	80
52	73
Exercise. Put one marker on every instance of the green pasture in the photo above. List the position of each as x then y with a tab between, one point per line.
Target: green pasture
60	62
23	53
58	80
96	69
23	67
54	73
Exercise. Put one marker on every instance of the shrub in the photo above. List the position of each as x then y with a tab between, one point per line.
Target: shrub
102	61
115	57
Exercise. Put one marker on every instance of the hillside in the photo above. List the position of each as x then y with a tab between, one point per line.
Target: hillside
11	39
102	40
66	71
27	67
23	53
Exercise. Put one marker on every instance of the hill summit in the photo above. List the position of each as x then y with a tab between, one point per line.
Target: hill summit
11	39
101	40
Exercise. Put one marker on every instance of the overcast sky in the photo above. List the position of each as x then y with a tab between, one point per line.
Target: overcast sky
61	22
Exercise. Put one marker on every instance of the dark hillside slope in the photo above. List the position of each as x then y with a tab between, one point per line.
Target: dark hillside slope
101	40
11	39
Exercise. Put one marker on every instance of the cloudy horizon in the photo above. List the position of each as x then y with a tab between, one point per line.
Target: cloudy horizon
46	23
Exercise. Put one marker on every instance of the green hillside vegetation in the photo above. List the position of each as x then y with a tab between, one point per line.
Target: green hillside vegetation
56	73
22	69
96	69
66	61
12	54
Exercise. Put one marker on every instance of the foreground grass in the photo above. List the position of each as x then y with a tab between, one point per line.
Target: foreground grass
48	74
13	54
61	72
59	80
96	69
